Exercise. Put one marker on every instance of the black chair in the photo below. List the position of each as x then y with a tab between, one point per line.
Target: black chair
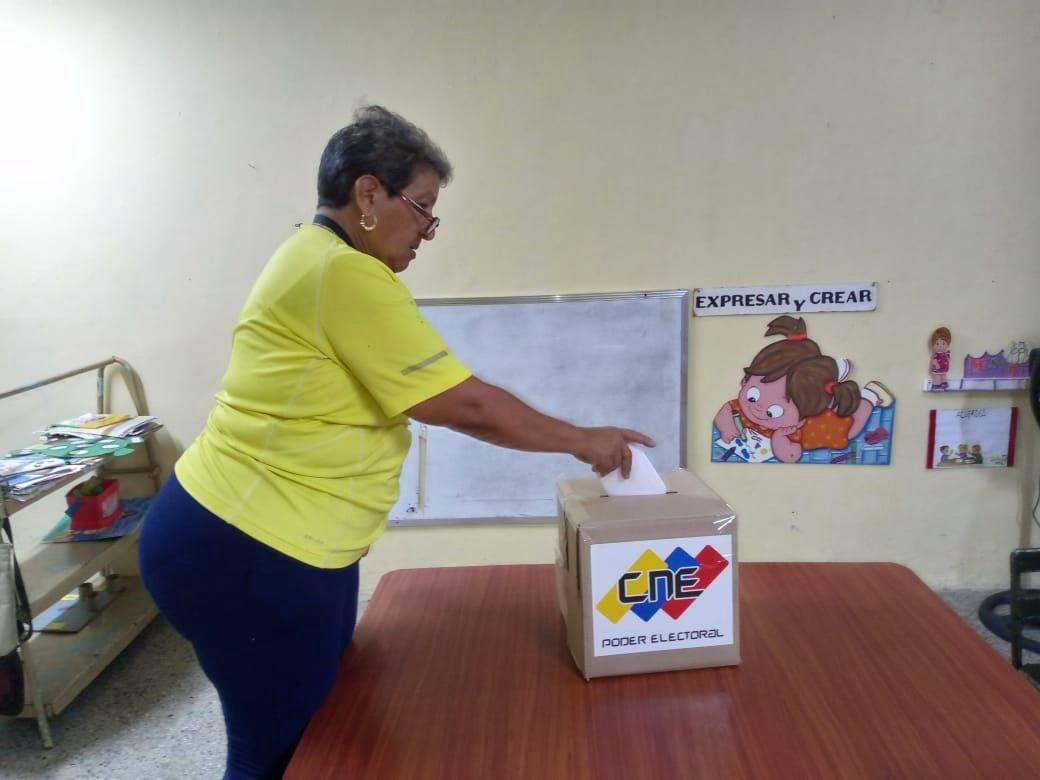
1025	607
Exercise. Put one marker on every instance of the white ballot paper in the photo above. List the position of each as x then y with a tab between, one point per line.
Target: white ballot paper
643	480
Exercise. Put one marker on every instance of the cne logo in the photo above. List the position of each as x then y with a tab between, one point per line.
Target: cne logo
670	585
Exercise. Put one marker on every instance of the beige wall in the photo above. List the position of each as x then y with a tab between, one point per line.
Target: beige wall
154	156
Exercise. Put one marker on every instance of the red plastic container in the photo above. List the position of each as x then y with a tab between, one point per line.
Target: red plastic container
92	513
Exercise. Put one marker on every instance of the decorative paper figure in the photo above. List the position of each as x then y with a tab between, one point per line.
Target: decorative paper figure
939	344
79	448
797	405
1018	354
1000	365
971	437
1007	369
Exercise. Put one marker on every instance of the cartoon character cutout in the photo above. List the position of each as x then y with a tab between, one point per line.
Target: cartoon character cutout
794	398
939	343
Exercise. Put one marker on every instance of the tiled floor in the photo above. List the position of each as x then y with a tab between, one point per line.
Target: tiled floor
153	714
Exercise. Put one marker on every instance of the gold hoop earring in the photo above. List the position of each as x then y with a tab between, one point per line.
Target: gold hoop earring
369	228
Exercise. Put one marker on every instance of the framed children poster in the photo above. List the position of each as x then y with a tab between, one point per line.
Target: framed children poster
959	438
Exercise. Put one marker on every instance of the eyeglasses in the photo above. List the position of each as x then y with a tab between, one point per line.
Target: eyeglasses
431	225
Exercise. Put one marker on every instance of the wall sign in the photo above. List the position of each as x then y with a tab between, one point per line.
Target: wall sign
785	299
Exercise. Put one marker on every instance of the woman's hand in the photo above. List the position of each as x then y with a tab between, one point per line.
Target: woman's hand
606	449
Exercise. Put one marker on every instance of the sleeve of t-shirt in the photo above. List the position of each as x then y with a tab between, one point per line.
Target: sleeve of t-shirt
376	330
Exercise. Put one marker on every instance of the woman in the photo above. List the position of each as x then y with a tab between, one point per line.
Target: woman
251	548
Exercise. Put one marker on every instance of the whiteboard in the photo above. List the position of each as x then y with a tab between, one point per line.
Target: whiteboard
612	359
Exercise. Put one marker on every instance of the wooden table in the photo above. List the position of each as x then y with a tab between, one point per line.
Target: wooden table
850	670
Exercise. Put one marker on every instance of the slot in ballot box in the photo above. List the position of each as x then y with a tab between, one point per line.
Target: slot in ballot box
647	583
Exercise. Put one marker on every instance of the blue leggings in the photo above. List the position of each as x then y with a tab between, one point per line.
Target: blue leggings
268	629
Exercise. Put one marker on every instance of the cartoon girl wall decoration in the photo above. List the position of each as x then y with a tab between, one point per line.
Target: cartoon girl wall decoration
793	398
939	344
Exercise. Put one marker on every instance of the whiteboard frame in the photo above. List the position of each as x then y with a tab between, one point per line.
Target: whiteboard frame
686	300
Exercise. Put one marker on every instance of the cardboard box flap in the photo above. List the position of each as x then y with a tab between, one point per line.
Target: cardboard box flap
688	497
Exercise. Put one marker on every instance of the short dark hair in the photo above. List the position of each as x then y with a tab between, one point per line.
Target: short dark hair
381	143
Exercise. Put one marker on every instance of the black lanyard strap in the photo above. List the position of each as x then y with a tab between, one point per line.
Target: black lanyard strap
334	226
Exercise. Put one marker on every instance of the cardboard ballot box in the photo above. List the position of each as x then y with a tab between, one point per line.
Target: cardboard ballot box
648	583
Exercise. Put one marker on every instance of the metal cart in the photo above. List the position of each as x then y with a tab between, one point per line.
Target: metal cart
60	665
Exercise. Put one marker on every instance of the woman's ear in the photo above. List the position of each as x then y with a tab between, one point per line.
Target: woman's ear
366	188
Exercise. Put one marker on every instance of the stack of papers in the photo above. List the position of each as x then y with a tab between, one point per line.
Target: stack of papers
22	478
10	466
96	426
72	446
93	420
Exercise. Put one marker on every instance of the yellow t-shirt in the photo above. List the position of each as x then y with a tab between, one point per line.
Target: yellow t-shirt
304	448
